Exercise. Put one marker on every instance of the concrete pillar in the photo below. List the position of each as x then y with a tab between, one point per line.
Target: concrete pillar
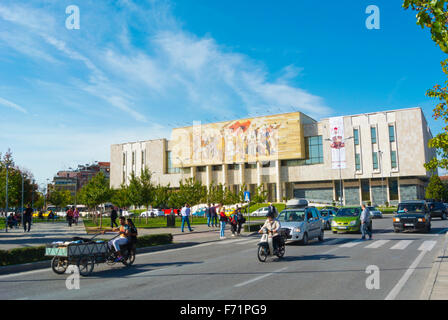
224	175
208	176
241	174
259	173
278	183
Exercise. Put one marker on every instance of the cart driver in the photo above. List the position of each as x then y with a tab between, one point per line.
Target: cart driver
122	240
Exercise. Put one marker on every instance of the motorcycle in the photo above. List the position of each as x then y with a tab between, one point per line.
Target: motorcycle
266	246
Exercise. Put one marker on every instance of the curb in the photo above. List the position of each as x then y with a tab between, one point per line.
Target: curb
432	278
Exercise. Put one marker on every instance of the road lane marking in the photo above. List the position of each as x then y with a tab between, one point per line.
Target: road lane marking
377	244
350	244
427	245
259	278
402	244
396	290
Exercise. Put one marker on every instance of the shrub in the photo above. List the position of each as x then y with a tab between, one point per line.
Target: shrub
154	240
22	255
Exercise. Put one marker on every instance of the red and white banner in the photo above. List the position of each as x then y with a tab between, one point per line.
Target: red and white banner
337	143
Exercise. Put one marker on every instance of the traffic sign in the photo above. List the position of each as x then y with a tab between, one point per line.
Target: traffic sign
247	196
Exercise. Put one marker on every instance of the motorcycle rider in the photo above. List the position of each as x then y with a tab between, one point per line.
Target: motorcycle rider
272	226
124	232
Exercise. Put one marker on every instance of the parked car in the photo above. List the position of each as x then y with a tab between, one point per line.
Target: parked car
375	212
152	213
437	209
335	209
261	212
327	217
302	224
348	219
412	215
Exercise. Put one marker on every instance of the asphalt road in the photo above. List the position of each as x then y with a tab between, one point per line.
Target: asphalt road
229	269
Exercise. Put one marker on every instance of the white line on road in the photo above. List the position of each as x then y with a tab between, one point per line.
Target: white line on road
350	244
396	290
260	277
377	244
427	245
402	244
334	241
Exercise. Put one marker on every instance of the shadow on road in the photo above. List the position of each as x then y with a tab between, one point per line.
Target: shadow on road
312	257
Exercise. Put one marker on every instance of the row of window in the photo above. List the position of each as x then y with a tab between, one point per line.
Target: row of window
373	135
393	158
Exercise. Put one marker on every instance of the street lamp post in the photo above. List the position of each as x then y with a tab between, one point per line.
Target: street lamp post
6	212
21	210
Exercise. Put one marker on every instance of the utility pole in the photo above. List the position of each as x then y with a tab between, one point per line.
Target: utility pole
22	198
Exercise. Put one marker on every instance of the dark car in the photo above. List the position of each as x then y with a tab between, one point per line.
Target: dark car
412	215
438	210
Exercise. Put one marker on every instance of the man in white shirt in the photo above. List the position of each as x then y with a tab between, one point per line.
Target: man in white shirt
185	213
365	222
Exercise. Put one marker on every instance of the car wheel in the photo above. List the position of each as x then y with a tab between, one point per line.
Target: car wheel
396	230
305	239
335	232
321	236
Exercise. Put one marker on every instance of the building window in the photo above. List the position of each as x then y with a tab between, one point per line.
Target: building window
365	190
124	159
268	164
375	160
292	163
250	165
314	150
391	133
133	157
358	162
393	159
373	134
124	177
169	164
233	167
201	169
356	136
393	188
217	168
143	158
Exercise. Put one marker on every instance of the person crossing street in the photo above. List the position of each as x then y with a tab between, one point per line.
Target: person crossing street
365	222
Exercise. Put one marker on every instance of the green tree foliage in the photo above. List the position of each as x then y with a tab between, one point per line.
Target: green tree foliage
96	192
60	198
433	14
120	197
15	183
436	189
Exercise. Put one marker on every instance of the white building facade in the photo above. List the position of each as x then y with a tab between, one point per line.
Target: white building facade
374	158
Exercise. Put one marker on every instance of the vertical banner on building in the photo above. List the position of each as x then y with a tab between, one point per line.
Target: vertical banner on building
337	143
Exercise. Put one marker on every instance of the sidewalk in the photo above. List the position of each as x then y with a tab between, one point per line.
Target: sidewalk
437	283
43	233
40	234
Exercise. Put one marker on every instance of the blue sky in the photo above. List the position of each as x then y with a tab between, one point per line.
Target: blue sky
136	69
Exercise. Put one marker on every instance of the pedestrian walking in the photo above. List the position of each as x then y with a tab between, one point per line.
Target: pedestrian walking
76	216
27	218
113	217
365	222
214	216
223	220
185	212
241	221
69	215
208	214
233	219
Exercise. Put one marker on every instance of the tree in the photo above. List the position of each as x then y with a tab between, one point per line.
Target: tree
60	198
436	189
433	14
96	192
120	197
161	196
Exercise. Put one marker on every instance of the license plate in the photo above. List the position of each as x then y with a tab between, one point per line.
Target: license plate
342	227
408	224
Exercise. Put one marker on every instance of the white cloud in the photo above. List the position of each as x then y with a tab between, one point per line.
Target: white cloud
12	105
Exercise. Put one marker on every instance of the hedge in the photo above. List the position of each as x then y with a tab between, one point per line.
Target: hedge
35	254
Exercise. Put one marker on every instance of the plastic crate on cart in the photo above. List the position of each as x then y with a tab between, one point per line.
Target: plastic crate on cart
76	249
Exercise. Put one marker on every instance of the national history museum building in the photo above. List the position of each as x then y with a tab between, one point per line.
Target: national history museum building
373	157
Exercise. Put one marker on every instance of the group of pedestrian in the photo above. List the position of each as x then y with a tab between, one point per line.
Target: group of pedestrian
236	219
72	216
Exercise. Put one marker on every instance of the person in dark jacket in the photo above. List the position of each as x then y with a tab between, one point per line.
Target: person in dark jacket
113	218
214	216
241	220
27	218
208	214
